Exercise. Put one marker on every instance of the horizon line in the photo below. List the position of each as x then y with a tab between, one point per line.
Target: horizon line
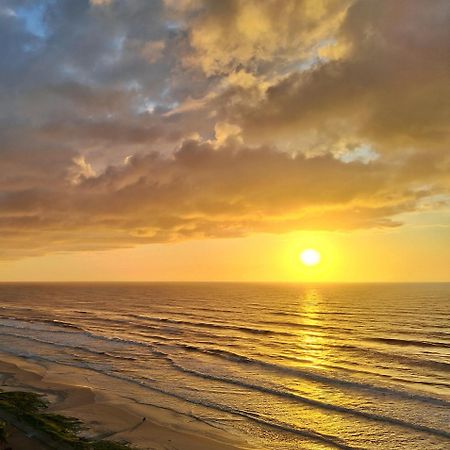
218	282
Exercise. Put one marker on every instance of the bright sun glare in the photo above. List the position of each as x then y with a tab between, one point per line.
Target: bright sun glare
310	257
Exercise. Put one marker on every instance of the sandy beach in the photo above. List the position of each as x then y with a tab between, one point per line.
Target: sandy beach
107	411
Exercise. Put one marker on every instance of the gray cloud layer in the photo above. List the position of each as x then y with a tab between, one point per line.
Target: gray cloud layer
131	122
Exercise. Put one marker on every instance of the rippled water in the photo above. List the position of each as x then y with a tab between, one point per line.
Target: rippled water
289	366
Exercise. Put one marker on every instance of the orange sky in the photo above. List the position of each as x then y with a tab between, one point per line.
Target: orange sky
408	254
181	140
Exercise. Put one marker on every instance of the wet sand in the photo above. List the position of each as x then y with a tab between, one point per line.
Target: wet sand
108	413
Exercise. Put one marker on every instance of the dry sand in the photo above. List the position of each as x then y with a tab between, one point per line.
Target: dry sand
108	412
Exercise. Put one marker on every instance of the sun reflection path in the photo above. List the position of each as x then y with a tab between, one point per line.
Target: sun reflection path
312	336
314	347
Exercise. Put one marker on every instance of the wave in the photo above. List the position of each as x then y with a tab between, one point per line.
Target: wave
409	342
75	347
306	433
306	374
19	324
174	332
232	356
242	328
35	325
317	403
307	326
339	329
122	342
409	360
61	323
358	368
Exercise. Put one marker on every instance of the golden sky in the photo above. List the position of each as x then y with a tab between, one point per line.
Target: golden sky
215	140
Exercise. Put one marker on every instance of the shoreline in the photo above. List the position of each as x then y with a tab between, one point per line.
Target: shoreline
109	413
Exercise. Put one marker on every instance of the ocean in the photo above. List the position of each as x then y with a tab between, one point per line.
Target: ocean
286	366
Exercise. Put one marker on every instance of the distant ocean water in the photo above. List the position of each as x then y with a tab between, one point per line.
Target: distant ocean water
288	366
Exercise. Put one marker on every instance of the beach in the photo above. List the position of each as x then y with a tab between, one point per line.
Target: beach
79	393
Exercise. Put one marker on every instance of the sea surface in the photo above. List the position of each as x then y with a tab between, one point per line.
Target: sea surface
287	366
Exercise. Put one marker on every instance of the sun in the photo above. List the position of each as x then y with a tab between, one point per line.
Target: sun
310	257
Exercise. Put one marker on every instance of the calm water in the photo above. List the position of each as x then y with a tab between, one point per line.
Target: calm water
327	366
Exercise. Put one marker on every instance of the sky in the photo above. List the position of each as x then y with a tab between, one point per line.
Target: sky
159	140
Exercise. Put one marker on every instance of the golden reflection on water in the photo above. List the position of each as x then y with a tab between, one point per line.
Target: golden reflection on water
311	336
314	350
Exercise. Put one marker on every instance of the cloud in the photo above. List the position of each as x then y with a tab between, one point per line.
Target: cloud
203	191
100	2
391	86
232	117
227	34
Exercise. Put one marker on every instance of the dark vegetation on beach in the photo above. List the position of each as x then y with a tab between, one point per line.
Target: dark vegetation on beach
29	409
4	434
